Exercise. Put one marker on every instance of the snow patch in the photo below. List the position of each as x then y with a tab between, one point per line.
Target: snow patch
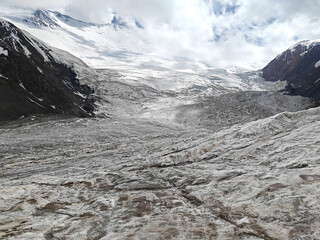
15	39
26	51
21	85
317	64
4	23
3	51
36	103
304	53
244	220
309	43
3	76
39	69
80	95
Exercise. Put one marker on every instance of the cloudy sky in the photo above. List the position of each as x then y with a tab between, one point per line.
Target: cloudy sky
219	32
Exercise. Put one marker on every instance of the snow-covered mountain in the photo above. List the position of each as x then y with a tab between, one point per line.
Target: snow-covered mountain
99	45
121	45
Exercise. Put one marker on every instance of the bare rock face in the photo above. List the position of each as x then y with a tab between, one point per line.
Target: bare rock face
34	81
299	66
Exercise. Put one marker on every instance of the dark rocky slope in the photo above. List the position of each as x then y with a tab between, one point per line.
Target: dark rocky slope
34	81
299	66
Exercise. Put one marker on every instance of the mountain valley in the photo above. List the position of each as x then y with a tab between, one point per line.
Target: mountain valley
139	146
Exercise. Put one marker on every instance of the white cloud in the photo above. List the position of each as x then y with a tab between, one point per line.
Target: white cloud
220	32
50	4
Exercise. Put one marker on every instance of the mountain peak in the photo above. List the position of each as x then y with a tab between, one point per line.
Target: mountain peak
53	19
70	20
42	17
